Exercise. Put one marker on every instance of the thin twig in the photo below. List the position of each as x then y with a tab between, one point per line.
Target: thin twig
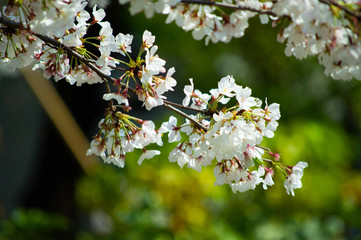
230	6
199	125
264	148
184	107
267	160
343	8
118	68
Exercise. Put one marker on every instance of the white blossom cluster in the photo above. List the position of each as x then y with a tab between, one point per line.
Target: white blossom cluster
293	181
229	139
204	21
53	34
151	78
64	21
233	137
315	27
315	30
119	135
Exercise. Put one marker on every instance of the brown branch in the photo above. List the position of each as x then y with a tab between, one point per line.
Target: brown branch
8	23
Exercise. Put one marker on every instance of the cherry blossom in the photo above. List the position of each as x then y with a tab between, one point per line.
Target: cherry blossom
293	181
171	127
123	41
188	91
314	28
217	134
119	97
147	154
148	39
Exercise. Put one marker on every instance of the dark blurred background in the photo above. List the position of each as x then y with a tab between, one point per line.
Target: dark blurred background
45	193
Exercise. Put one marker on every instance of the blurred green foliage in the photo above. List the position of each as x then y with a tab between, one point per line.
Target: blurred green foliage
320	124
33	224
